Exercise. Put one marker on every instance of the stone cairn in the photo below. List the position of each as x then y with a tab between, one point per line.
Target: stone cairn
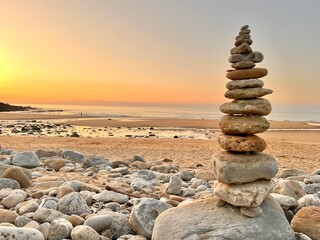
244	174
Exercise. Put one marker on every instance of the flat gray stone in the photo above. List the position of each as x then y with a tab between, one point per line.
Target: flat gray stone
243	124
26	160
245	83
203	220
255	57
99	223
110	196
235	168
257	106
72	203
244	93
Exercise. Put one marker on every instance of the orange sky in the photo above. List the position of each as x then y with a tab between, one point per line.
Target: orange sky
159	51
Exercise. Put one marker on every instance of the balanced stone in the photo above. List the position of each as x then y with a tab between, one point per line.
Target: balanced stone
235	168
243	36
254	56
245	144
247	73
243	65
245	83
240	41
243	48
244	27
244	31
245	93
243	124
252	212
244	195
258	106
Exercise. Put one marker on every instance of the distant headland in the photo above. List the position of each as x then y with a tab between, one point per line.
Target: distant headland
5	107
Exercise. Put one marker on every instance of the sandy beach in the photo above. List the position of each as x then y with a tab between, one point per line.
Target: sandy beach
295	147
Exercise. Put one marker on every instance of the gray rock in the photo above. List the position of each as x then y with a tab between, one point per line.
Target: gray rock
144	213
186	175
17	174
301	236
139	183
244	195
97	162
243	124
99	223
258	106
243	168
60	229
21	221
26	160
80	186
309	200
286	202
84	233
255	57
243	65
189	192
44	229
122	170
243	48
138	158
175	185
73	203
12	200
74	156
15	233
289	172
9	183
132	237
47	215
146	174
290	188
203	220
246	83
244	93
312	188
252	212
29	207
110	196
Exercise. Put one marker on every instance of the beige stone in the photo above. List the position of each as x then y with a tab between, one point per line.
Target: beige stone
251	212
236	168
258	106
244	195
243	48
307	221
243	65
250	124
254	56
244	31
244	27
243	36
7	216
17	174
55	163
247	73
245	83
244	144
245	93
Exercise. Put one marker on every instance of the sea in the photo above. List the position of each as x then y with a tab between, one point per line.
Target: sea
305	113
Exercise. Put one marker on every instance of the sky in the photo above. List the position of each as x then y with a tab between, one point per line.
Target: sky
164	51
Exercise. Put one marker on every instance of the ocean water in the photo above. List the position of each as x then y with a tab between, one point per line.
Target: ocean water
304	113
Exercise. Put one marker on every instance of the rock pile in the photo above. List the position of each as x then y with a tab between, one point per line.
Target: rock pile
243	173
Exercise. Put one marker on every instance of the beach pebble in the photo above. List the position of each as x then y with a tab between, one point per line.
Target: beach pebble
74	156
143	215
28	207
132	237
20	233
21	221
243	65
17	174
99	223
7	216
307	221
290	188
243	48
286	202
42	215
84	233
175	185
252	212
26	160
146	174
9	183
139	183
60	229
110	196
72	203
12	200
309	200
55	163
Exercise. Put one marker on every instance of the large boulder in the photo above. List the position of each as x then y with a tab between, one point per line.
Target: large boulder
202	219
26	160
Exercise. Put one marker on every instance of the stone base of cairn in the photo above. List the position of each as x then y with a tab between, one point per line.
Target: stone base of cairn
244	174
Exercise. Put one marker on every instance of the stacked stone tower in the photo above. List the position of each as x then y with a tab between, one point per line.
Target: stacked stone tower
244	174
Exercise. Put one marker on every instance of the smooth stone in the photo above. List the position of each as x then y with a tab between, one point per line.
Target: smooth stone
289	173
97	162
26	160
9	183
84	233
139	183
175	185
17	174
64	190
244	31
307	221
99	223
144	213
21	221
80	186
244	195
201	219
205	175
245	93
7	216
309	200
257	106
244	27
111	196
132	237
235	168
240	41
72	203
55	163
286	202
290	188
12	200
20	233
60	229
76	220
243	65
243	48
4	167
41	153
244	144
255	57
42	215
301	236
243	36
74	156
186	175
29	207
44	229
253	212
146	174
312	188
245	83
243	124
